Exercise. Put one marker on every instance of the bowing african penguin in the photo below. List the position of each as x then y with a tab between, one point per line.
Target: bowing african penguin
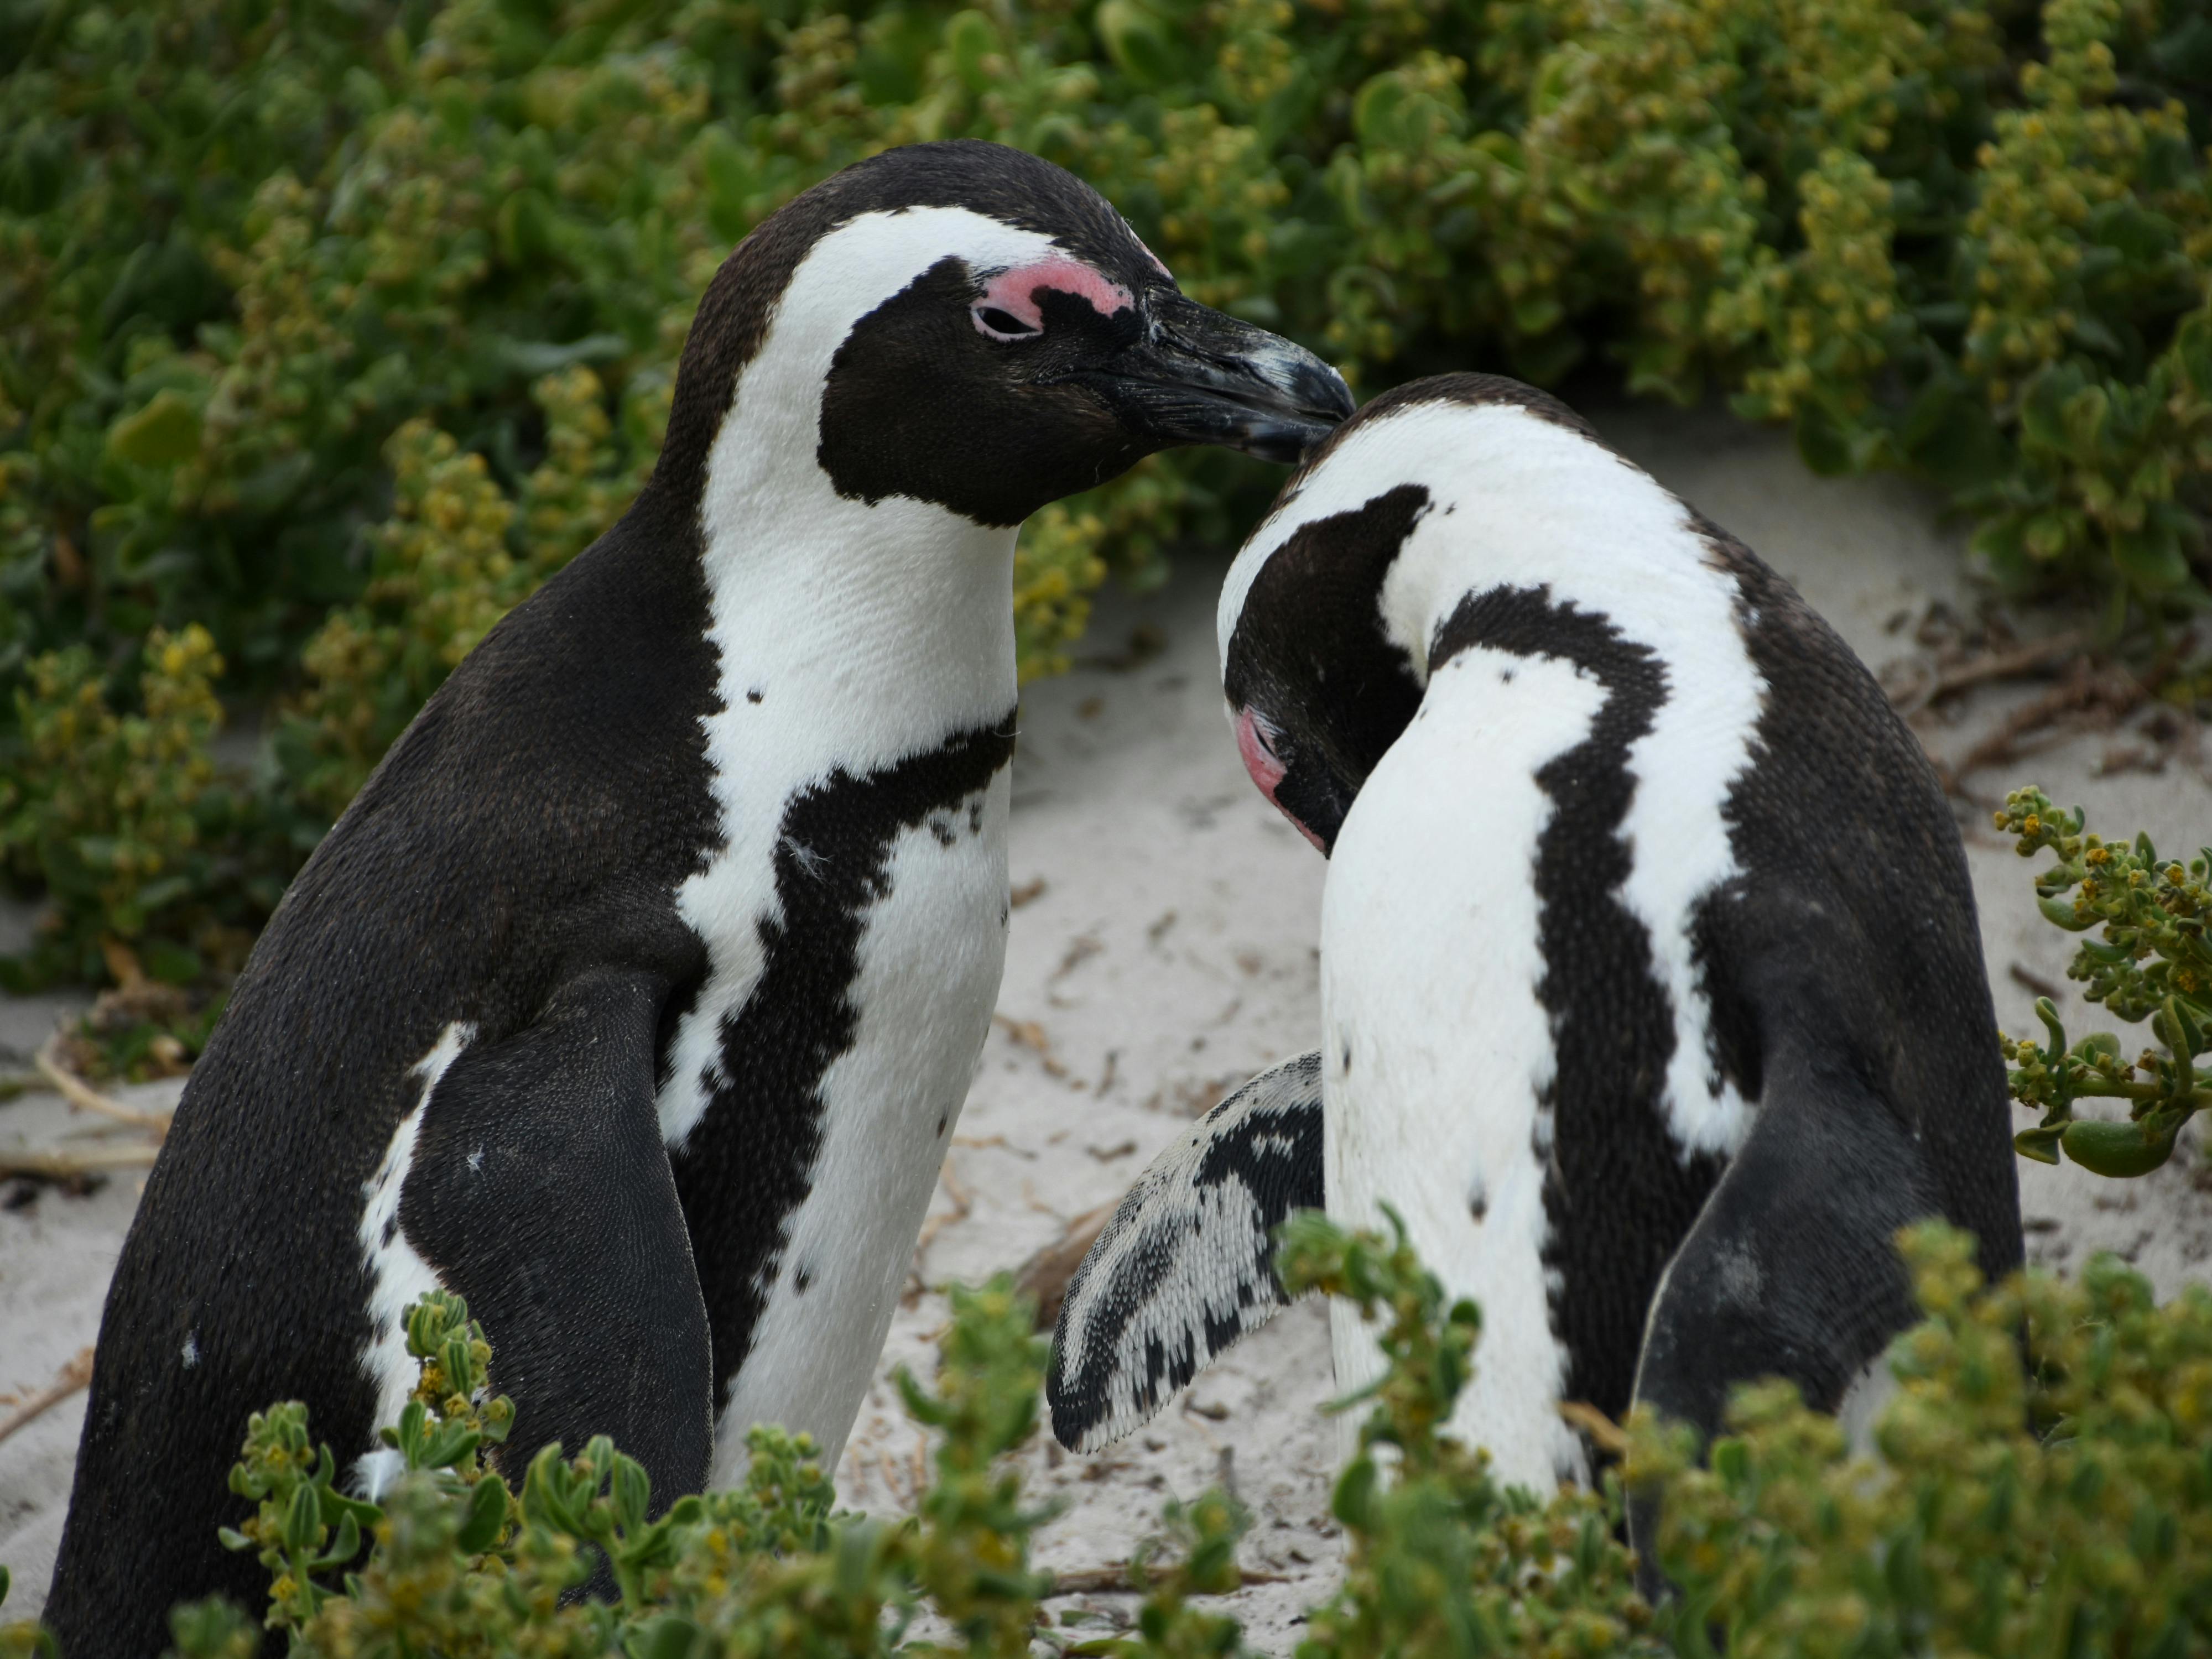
1652	994
636	997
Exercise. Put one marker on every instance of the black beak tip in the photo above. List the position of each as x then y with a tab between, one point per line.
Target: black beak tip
1315	401
1203	377
1286	440
1331	396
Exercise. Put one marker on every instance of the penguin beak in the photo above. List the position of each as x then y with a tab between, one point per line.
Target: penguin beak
1198	376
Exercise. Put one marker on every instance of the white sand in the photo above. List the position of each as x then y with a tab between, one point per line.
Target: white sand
1169	954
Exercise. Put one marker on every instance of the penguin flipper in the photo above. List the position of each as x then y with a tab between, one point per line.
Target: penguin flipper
1186	1267
1791	1269
541	1190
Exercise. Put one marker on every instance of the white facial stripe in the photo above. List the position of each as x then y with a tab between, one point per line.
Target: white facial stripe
1519	500
398	1276
845	275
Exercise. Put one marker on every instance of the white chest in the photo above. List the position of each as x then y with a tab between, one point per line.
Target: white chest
851	668
932	948
1438	1049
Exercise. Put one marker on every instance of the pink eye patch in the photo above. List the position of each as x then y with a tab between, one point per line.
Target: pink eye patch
1267	768
1015	294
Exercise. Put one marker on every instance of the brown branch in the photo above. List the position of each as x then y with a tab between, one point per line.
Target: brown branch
1989	665
1121	1578
962	1203
2114	694
66	1166
1610	1436
72	1377
82	1095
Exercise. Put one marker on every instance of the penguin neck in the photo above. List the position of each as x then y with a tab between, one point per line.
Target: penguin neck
891	620
1531	503
876	630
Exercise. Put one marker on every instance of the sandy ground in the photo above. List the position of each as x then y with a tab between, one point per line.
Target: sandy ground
1163	950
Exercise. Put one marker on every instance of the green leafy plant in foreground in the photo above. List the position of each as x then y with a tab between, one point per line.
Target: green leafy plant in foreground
2058	1502
2150	960
1443	1560
2044	1486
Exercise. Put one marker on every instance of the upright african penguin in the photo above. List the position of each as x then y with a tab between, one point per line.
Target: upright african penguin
636	995
1652	994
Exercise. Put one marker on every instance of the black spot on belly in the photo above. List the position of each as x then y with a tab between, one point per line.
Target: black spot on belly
746	1165
802	1281
754	697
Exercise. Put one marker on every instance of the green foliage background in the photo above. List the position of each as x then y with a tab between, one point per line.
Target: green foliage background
329	328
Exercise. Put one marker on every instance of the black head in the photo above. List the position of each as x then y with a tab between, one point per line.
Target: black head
1318	687
976	327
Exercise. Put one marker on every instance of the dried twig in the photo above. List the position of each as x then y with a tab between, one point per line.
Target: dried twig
1989	665
2113	693
66	1166
962	1202
1079	950
1028	1034
82	1096
1121	1577
1610	1436
76	1375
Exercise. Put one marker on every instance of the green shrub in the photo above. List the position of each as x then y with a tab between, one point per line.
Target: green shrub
2089	1532
121	814
281	284
1443	1560
2150	960
2049	1498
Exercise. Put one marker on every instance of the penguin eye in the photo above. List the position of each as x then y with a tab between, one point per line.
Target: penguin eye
1001	325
